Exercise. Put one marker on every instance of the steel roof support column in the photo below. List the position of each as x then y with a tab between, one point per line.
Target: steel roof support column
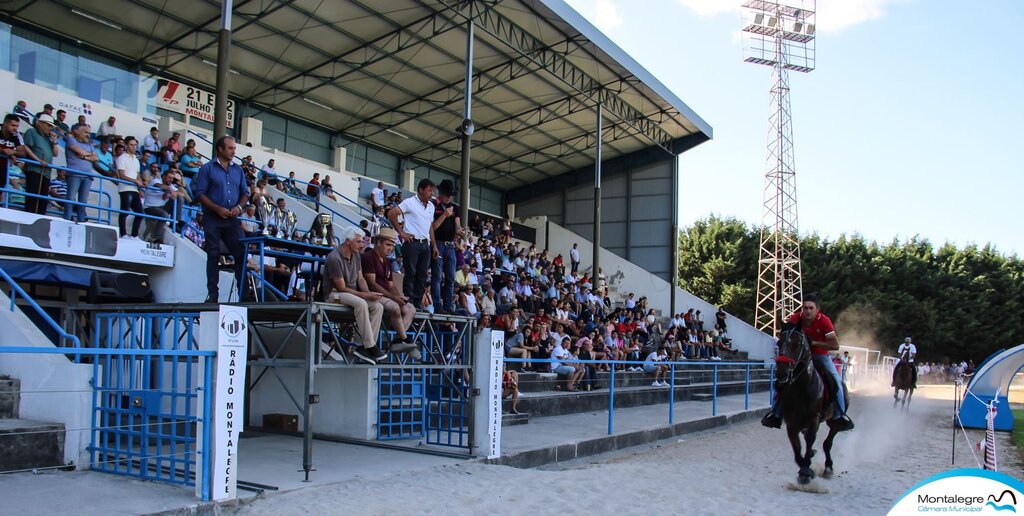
674	238
466	130
220	109
595	271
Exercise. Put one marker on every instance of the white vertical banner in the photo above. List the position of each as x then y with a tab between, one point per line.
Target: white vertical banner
229	399
488	358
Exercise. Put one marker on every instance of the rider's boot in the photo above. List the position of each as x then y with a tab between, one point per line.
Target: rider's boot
841	423
771	421
772	418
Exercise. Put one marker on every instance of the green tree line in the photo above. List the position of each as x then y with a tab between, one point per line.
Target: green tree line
956	303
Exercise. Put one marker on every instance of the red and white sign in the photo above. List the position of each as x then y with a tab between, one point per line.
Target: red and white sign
194	102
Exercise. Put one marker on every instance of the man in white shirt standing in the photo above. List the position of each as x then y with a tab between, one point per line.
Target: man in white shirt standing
130	187
907	351
574	258
377	196
417	213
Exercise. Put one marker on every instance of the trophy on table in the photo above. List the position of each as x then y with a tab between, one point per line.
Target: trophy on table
264	210
322	231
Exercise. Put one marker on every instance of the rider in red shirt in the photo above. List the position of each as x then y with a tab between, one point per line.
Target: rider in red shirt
818	328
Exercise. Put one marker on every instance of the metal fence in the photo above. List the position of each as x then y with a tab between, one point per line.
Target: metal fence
682	379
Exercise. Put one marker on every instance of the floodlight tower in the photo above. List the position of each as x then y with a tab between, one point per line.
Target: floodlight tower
781	36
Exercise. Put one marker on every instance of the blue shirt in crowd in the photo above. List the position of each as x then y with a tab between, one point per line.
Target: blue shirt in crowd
224	187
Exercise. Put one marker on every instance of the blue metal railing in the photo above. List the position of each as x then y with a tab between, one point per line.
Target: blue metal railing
16	290
714	366
109	209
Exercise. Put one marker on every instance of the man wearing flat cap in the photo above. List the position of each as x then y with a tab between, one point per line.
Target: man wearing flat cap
377	273
447	229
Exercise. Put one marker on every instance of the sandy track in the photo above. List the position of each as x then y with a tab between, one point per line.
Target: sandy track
741	469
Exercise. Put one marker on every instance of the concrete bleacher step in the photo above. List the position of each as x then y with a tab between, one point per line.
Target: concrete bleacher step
510	419
702	396
9	389
26	444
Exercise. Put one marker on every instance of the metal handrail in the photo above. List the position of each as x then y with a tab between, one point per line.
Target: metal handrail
99	207
16	289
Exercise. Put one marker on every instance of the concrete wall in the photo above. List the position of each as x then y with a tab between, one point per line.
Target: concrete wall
68	399
636	214
630	277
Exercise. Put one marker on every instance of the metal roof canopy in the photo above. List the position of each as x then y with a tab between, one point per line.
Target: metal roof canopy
392	74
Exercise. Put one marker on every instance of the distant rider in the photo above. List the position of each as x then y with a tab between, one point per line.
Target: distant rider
818	328
907	351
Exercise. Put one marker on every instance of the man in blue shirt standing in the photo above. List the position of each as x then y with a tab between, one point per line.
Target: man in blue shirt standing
221	188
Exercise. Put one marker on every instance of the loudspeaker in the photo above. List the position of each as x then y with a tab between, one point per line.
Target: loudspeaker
119	287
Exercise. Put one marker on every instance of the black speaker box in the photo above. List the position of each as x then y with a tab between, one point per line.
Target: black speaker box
119	287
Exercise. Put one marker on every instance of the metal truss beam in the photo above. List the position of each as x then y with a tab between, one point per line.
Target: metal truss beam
517	38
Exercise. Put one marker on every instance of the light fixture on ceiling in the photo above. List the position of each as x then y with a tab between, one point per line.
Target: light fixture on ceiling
318	104
97	19
396	133
211	63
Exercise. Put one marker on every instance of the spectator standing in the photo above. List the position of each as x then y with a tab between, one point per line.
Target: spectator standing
59	125
574	258
222	190
108	128
377	196
11	146
345	284
151	142
21	111
82	158
39	140
720	319
130	188
417	212
446	228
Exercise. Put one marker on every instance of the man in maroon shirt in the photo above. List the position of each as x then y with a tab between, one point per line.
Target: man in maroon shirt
377	272
818	329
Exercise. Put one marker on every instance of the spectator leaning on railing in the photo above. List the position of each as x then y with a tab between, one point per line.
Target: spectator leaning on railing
42	147
82	158
11	147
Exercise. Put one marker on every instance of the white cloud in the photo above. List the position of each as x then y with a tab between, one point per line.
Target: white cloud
711	7
607	16
839	15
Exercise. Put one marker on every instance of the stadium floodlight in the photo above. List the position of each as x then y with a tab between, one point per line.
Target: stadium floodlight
97	19
318	104
211	63
781	36
396	133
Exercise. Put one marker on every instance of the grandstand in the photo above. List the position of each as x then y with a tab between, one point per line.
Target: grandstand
362	93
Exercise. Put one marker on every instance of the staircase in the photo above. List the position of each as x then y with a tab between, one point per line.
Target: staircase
26	444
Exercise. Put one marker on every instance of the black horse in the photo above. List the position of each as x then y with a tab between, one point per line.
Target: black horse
903	380
802	393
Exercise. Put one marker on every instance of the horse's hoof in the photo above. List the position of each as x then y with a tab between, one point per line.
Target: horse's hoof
827	473
803	479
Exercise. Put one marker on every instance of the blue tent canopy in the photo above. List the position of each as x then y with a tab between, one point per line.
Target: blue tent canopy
992	381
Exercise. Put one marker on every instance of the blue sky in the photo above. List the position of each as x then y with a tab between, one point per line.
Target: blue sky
910	125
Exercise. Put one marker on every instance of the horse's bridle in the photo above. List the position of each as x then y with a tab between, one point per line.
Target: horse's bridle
804	348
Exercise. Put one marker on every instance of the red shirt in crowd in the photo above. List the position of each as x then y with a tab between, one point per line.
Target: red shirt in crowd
816	330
